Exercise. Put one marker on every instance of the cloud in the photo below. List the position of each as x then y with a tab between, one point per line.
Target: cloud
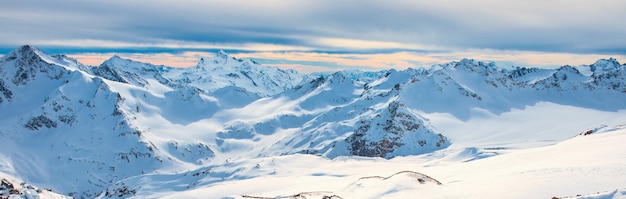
355	44
324	34
166	45
552	26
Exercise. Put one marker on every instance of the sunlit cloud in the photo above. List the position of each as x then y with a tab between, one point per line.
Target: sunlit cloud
92	59
343	43
307	62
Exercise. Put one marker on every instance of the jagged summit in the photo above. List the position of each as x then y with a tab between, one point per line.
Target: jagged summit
27	53
32	54
221	53
603	65
29	56
26	49
221	58
116	61
466	64
27	63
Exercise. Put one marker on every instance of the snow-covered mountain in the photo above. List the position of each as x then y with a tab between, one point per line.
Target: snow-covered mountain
65	127
221	71
127	128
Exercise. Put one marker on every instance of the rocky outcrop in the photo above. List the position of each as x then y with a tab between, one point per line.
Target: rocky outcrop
35	123
396	131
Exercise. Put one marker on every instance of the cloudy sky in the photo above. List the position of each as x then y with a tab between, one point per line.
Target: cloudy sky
322	35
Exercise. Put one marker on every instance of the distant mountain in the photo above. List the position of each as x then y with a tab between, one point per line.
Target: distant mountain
221	71
90	131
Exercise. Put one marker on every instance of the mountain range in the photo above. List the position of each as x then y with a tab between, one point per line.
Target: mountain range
131	129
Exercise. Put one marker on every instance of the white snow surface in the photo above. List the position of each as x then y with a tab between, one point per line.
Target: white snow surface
232	128
577	166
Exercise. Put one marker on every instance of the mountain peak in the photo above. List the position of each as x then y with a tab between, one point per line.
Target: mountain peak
24	51
221	53
605	65
221	57
466	61
115	57
115	60
28	47
467	64
473	64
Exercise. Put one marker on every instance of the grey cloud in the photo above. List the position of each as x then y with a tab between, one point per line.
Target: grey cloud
548	25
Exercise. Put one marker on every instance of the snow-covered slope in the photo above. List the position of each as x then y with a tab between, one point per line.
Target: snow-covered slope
127	128
581	165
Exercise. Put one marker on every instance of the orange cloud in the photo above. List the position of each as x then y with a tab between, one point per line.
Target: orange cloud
307	62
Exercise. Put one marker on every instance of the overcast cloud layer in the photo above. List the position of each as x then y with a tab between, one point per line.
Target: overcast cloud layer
445	29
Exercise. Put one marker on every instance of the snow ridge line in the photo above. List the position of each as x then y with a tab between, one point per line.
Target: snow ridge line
299	195
410	173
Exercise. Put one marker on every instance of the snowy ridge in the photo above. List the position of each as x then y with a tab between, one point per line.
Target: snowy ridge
128	71
223	70
127	128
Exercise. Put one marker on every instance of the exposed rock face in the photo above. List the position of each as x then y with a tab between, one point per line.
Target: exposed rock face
609	74
11	189
39	122
29	63
6	93
394	132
